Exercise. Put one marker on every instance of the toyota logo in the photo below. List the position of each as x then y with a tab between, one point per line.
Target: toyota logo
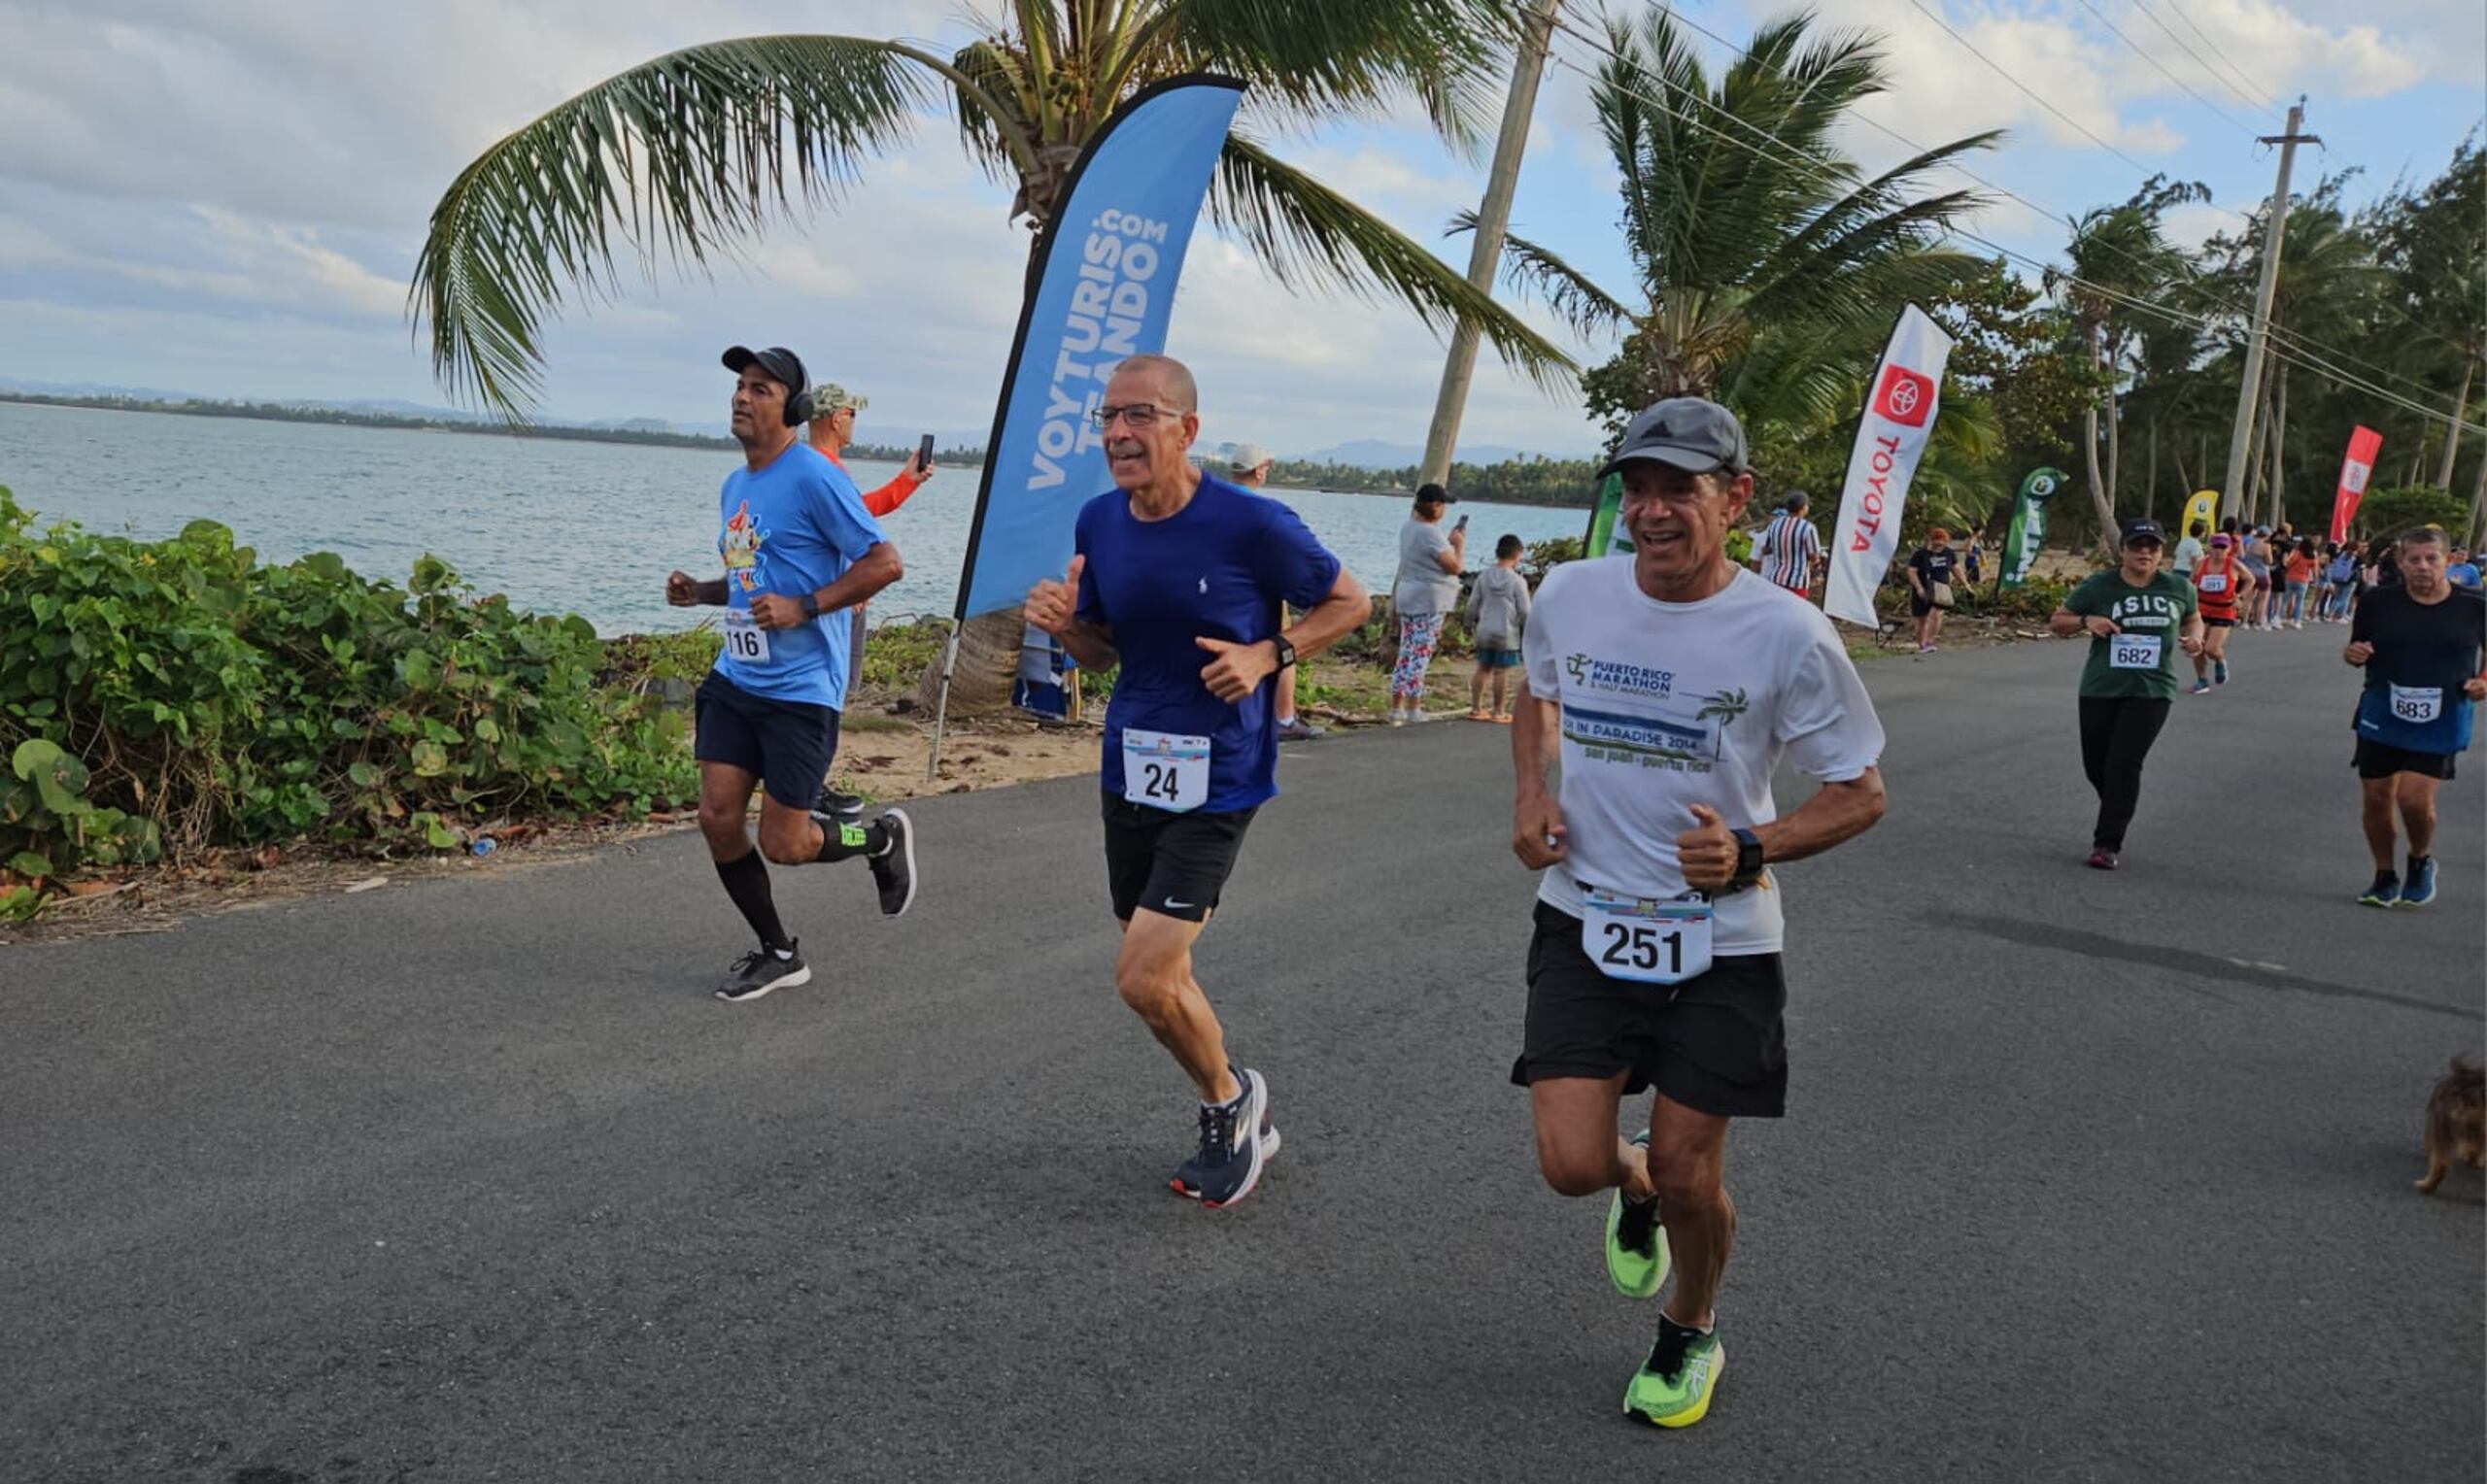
1903	398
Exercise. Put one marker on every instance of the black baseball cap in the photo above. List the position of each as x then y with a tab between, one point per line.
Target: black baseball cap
1690	434
2143	529
782	366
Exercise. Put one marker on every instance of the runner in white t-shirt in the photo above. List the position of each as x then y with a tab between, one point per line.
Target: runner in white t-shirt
1669	683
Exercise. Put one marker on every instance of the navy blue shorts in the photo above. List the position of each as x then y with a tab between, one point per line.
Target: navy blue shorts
787	743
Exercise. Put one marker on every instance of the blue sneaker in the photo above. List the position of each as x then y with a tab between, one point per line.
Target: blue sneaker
2421	889
2198	688
2219	671
2384	893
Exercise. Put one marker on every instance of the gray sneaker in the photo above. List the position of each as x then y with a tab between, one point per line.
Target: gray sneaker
762	970
1296	728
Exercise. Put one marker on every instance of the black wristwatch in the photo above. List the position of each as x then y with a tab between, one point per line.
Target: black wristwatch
1286	651
1749	862
811	605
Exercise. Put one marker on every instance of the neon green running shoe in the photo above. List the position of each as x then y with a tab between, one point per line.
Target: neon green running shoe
1674	1385
1636	1245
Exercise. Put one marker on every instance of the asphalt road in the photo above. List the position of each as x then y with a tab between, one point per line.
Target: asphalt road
2087	1175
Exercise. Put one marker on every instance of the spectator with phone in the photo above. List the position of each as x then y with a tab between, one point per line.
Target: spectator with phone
830	409
1424	592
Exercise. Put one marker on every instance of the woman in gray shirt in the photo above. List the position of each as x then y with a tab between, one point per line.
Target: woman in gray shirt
1425	591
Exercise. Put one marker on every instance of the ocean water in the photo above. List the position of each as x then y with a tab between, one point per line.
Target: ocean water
590	528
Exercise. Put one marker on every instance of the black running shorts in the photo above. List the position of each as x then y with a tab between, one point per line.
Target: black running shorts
2377	759
789	744
1715	1044
1173	864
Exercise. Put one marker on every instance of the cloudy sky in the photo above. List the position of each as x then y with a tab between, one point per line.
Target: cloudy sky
227	198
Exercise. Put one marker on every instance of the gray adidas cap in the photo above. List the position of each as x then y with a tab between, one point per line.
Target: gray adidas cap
1689	433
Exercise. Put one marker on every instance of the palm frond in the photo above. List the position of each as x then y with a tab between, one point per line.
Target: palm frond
683	158
1002	75
1309	64
1568	291
1308	235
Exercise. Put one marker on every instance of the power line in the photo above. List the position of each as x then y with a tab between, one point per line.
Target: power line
1999	70
1823	170
2252	86
2209	71
2162	68
2273	332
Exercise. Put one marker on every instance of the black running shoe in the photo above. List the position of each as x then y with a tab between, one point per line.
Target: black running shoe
894	868
1192	1174
763	969
834	805
1231	1154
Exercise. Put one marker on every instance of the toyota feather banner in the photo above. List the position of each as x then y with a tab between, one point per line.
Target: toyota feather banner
2358	464
1105	289
1891	438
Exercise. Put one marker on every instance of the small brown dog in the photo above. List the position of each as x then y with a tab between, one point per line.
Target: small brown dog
2456	1121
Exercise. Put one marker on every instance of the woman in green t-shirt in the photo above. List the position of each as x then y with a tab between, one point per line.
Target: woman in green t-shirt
2138	619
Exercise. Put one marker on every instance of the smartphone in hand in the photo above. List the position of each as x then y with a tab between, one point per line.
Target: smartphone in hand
1463	523
924	453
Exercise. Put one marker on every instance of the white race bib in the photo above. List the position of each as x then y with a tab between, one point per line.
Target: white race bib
745	640
2417	704
1643	939
2215	581
2134	652
1164	770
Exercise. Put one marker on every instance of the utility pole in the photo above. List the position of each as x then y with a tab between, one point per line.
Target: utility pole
1493	219
2231	489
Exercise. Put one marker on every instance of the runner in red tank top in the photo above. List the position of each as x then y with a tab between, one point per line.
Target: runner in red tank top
2220	583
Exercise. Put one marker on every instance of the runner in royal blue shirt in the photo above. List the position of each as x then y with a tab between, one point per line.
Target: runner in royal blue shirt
799	550
1176	581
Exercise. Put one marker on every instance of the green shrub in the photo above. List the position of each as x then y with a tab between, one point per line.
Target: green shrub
168	696
2035	599
2387	513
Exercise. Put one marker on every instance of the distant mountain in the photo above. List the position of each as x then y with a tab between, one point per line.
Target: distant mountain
1373	454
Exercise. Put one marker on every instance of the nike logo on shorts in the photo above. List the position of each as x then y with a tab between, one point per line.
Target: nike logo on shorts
1171	905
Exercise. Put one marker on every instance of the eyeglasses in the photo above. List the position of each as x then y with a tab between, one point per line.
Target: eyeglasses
1138	415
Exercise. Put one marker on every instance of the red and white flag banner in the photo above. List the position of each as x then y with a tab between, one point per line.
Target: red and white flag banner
2364	445
1891	437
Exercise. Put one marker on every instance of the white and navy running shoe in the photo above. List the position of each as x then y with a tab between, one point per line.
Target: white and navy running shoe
1237	1142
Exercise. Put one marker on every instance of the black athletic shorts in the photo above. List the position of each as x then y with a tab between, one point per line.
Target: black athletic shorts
2210	623
1173	864
2378	760
1715	1044
787	743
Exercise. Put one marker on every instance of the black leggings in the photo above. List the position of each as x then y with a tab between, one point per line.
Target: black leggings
2116	733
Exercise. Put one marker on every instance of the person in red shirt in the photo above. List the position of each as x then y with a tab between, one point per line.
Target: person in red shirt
831	410
2220	583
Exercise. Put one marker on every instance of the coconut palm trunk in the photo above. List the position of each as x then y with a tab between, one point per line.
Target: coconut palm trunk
2452	434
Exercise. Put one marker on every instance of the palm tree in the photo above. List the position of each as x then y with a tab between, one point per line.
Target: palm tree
1741	219
694	155
2120	254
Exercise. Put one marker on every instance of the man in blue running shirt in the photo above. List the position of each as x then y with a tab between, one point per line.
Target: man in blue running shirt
1176	578
799	551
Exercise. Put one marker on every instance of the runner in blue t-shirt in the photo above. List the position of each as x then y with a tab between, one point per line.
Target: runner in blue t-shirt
1177	579
799	550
